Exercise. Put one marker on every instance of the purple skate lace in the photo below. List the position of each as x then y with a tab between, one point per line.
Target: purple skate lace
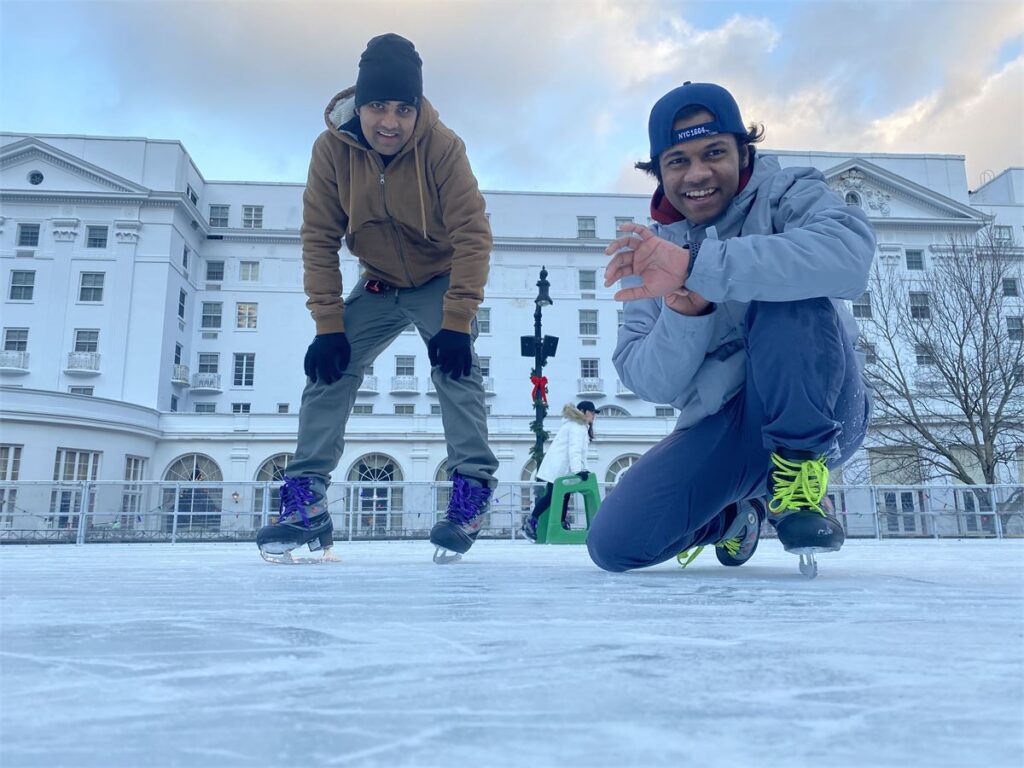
468	500
295	496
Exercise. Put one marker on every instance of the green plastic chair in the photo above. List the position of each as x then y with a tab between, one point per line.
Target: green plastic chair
549	527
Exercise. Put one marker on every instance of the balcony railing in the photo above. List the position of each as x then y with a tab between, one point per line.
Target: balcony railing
405	385
13	362
206	382
180	375
488	382
590	386
368	386
623	391
83	363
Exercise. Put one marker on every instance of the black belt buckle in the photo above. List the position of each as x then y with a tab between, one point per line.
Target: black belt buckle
376	286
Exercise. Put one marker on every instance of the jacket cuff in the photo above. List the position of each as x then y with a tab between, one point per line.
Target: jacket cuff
456	322
330	324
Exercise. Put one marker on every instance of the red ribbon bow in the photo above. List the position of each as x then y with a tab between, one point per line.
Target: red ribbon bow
540	386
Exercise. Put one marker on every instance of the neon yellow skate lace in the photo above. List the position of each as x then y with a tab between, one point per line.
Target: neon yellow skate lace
732	546
798	485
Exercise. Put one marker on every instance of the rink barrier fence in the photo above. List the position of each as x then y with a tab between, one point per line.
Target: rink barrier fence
80	512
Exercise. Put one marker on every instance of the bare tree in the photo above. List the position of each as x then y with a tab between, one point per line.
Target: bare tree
946	360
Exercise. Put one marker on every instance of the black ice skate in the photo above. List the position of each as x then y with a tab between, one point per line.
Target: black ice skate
303	519
799	509
739	541
454	535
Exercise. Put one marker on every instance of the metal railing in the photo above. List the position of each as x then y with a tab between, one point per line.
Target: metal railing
171	511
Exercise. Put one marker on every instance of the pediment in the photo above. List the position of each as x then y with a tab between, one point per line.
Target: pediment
886	195
61	171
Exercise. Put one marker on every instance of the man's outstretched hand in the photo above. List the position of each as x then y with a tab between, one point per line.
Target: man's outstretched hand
662	265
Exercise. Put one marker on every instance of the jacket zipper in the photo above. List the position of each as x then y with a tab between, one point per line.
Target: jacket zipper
394	232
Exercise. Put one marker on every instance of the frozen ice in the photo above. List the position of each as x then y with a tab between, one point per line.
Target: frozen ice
900	653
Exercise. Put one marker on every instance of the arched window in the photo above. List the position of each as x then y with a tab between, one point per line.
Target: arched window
619	467
376	499
852	198
444	492
198	507
613	411
529	489
271	471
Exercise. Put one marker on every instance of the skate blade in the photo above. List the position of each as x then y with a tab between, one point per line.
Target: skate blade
285	558
813	550
444	557
808	565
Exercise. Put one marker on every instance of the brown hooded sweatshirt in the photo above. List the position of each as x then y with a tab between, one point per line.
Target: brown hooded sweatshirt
420	217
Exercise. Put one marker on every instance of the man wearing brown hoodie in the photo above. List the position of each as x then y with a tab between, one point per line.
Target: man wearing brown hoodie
392	181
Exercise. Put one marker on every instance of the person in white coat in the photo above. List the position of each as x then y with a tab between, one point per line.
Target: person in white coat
567	455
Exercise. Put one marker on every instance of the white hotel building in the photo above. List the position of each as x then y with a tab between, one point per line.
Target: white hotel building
154	322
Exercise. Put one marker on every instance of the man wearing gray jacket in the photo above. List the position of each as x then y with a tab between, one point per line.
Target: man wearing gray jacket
732	316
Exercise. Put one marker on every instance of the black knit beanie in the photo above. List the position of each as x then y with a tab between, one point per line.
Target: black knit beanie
389	70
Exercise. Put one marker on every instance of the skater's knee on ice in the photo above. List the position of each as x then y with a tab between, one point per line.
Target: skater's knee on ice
605	560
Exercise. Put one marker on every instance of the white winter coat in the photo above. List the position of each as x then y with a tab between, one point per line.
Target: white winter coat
567	453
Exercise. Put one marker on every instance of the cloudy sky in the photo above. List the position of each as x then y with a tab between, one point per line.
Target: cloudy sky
548	95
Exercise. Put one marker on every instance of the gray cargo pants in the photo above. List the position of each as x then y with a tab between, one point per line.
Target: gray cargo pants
372	321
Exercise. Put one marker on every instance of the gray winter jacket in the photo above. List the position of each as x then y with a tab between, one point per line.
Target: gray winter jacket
785	237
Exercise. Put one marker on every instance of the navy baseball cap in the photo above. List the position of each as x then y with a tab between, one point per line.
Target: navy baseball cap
714	98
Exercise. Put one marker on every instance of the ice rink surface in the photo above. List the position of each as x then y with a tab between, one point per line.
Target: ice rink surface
898	654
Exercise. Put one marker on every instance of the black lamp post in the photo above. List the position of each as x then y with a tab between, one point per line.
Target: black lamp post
540	348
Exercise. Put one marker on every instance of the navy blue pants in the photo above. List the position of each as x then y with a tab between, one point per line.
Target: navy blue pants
803	391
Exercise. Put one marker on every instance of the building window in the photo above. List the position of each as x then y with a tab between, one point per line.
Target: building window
87	340
620	467
209	362
249	271
15	339
589	367
252	217
182	296
184	258
211	314
96	237
90	287
245	364
28	235
10	465
483	320
588	279
282	407
862	306
405	365
619	221
241	407
245	316
1011	287
588	322
191	194
362	408
214	271
613	411
620	317
586	227
869	350
915	260
485	366
177	354
923	354
219	215
665	411
920	308
174	404
206	407
1015	328
852	198
435	409
1002	233
405	409
23	283
69	466
87	391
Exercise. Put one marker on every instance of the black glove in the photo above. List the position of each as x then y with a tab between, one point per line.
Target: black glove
327	357
451	350
584	475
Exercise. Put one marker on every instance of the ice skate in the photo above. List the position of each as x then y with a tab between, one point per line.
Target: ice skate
799	509
739	542
303	520
453	536
529	528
